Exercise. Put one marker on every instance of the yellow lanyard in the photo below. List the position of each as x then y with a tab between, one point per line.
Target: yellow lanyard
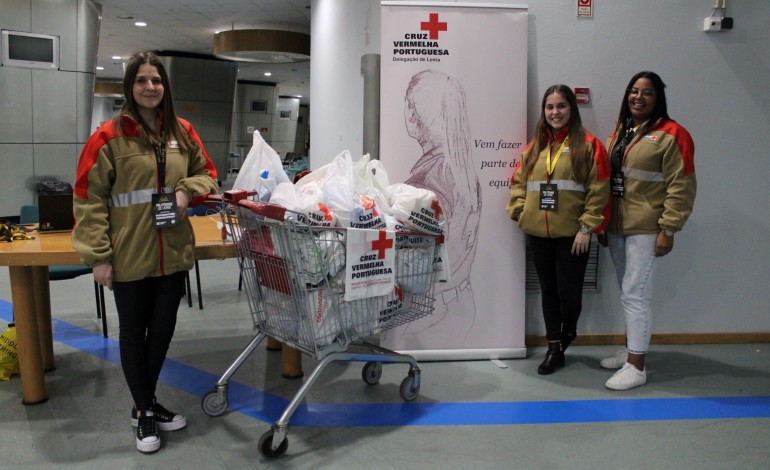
550	167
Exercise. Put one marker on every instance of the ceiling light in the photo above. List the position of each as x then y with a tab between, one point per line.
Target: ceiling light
99	67
262	45
140	23
267	74
116	57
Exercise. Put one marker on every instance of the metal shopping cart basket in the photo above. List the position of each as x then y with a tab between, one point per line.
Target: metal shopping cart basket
291	272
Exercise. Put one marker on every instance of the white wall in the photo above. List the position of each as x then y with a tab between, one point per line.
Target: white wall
716	279
342	31
104	109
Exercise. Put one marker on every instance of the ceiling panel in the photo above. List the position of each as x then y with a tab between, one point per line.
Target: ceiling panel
190	25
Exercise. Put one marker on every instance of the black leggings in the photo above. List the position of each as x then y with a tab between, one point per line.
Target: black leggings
147	312
561	277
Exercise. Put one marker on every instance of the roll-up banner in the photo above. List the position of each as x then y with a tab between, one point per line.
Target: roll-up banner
453	119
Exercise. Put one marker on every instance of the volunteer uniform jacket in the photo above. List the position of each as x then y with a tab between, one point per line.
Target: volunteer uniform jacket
579	203
660	184
116	177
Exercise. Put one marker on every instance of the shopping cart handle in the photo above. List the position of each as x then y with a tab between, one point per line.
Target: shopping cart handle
271	211
234	195
213	200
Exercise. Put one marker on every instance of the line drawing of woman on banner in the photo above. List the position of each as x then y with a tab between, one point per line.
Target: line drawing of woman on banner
436	116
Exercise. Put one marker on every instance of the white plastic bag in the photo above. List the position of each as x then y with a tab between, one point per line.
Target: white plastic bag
261	157
388	308
346	193
285	195
370	259
312	207
414	268
417	208
321	255
376	183
266	186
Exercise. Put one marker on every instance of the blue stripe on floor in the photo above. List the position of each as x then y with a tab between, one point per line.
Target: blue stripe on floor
268	408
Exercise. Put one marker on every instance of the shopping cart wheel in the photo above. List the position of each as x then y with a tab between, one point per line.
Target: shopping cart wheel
372	372
212	404
409	388
266	446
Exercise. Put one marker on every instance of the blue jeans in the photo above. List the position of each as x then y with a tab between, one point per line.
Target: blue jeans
634	260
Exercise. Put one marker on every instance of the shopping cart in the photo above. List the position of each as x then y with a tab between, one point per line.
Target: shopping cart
291	272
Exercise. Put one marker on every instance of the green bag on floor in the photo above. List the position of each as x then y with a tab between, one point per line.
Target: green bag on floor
9	354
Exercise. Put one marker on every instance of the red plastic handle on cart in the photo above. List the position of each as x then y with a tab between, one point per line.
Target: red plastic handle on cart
235	195
271	211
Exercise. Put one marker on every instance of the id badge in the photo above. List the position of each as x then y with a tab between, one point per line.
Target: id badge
164	210
617	184
548	196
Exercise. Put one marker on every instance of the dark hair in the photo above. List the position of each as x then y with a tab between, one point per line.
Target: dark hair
580	157
170	123
661	108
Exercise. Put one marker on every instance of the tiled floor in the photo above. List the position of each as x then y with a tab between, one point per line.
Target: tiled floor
705	407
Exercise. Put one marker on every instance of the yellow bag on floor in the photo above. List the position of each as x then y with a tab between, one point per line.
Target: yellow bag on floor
9	354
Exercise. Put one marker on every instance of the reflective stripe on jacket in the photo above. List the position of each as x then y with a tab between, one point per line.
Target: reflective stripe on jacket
660	183
116	177
579	203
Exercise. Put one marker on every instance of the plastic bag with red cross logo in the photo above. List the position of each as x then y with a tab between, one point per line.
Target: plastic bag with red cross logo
370	260
311	207
347	192
416	208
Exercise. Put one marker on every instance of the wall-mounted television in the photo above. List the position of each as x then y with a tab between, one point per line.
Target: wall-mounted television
30	50
259	106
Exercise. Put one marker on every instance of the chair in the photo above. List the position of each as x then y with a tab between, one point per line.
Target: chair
30	214
194	212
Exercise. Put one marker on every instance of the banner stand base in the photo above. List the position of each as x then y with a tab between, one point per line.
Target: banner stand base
428	355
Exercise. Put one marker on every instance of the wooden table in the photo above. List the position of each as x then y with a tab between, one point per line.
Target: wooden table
28	262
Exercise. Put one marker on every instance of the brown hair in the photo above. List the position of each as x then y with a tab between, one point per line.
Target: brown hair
579	155
170	124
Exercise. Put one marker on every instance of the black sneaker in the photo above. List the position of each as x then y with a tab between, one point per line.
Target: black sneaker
147	434
167	420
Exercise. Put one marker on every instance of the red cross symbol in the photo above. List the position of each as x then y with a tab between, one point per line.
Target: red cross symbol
368	203
437	210
326	211
433	25
382	244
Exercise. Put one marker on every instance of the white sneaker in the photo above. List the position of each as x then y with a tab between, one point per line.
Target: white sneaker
626	378
147	435
615	361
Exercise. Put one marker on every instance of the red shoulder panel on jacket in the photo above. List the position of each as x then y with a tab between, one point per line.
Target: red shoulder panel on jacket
88	156
683	142
600	156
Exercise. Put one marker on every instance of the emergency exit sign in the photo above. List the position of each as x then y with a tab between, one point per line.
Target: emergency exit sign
585	8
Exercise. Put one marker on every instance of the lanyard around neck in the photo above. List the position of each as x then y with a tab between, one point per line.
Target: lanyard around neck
160	157
549	167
